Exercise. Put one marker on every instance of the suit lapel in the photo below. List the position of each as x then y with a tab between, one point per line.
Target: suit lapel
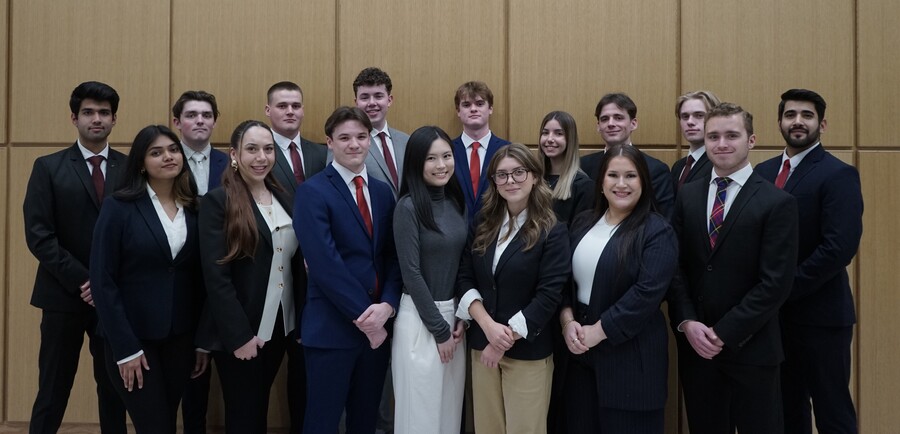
378	156
81	171
805	167
151	218
744	196
190	221
283	172
698	168
462	170
217	163
511	249
399	151
343	191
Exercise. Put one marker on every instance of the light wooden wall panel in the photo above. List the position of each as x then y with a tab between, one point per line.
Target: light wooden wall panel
57	45
4	66
751	52
566	56
23	320
237	49
879	68
4	205
879	300
429	48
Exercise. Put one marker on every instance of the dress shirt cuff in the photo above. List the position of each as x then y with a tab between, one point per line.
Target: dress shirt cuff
462	312
681	325
201	350
130	358
517	324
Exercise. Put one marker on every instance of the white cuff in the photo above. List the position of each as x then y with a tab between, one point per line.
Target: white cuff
517	324
201	350
681	325
131	357
462	312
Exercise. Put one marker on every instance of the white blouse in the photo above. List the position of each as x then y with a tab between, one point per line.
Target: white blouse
586	256
284	244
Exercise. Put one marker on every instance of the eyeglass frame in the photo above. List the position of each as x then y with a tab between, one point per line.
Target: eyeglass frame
523	174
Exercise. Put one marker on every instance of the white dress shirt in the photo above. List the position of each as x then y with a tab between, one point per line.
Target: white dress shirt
284	143
88	154
347	175
279	291
738	179
482	149
586	256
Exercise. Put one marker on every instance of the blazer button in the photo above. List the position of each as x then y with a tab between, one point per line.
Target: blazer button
278	250
371	291
280	285
709	268
281	268
278	229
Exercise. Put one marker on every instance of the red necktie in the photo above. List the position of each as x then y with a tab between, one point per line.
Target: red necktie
298	165
783	175
475	168
388	159
97	176
362	204
686	171
717	218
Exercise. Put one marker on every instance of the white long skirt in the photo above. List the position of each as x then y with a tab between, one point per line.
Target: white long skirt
428	394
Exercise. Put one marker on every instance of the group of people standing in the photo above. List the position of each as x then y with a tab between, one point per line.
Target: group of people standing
382	252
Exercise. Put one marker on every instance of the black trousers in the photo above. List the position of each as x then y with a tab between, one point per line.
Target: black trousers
62	336
154	407
195	402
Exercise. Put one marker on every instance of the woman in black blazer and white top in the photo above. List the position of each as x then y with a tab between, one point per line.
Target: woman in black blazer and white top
254	276
511	283
144	272
624	257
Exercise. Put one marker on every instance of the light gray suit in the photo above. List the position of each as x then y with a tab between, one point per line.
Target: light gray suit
377	167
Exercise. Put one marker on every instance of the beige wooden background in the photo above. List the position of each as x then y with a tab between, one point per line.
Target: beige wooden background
536	56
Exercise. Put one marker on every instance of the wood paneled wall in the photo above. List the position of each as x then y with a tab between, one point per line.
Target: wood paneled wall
535	57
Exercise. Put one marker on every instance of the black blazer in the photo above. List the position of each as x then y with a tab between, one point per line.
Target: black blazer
582	199
530	281
700	170
830	202
141	292
660	179
60	211
314	156
738	287
236	291
631	365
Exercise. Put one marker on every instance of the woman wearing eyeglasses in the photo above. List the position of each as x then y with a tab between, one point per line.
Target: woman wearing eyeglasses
511	282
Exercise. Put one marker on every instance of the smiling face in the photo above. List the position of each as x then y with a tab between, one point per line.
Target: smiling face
256	155
691	118
196	124
349	142
553	140
621	186
515	190
800	125
163	159
727	143
94	122
615	125
438	164
285	112
375	101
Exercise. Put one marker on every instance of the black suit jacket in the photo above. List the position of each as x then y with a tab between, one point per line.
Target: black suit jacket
700	170
631	365
60	211
236	291
314	157
529	281
738	287
830	202
141	292
660	179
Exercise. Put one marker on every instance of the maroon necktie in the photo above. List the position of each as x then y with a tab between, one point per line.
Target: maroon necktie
687	170
783	175
388	159
718	211
475	168
298	165
362	204
97	176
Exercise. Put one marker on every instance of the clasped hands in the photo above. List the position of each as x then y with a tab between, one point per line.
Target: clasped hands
371	322
580	338
703	339
500	339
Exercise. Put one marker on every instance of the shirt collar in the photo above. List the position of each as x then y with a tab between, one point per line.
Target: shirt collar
698	153
347	175
796	159
484	141
189	152
86	153
740	177
284	142
387	132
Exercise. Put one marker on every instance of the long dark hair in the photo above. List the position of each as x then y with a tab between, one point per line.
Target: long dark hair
134	183
413	184
631	227
240	222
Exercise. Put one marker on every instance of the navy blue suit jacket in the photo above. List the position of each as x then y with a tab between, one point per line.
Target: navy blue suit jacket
473	202
631	365
830	202
218	161
346	265
140	291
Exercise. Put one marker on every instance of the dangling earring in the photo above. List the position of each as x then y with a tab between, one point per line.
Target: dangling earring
234	164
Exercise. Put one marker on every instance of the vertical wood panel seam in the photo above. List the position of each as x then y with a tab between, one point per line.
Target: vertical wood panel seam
6	227
337	54
171	96
679	86
507	100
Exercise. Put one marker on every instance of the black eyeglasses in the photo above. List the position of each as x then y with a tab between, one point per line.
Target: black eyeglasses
517	175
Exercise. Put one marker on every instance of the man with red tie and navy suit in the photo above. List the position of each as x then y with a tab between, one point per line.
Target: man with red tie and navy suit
817	319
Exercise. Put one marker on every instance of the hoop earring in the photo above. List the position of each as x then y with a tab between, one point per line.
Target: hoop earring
234	164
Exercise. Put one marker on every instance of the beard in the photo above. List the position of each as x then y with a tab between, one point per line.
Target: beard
811	138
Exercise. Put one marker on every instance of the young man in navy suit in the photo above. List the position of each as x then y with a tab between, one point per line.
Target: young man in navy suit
691	109
737	238
372	94
76	178
616	115
194	115
817	319
296	159
473	149
345	217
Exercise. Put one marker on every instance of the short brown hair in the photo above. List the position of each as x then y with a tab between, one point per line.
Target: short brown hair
471	89
345	114
727	109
